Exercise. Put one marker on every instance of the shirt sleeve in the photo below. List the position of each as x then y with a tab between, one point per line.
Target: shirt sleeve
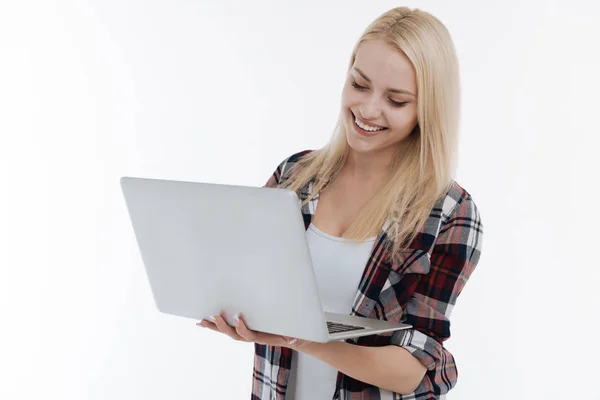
454	256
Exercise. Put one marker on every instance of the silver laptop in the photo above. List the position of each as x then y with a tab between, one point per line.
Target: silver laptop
210	249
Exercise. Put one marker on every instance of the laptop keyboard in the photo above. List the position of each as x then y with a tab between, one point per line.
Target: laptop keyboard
334	327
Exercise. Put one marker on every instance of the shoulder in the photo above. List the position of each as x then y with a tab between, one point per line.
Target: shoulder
294	158
289	162
457	202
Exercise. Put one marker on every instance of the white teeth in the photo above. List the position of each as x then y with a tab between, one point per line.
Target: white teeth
367	127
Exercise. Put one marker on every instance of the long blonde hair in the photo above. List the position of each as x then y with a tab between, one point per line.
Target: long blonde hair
426	169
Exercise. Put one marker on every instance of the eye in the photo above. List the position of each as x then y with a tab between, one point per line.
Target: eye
357	86
397	103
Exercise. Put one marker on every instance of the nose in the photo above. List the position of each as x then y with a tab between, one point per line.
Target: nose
370	109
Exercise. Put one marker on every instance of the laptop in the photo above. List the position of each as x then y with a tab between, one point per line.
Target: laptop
212	249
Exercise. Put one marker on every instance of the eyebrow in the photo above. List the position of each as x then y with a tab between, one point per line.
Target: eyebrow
388	89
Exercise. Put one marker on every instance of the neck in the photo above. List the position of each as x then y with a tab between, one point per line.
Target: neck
376	166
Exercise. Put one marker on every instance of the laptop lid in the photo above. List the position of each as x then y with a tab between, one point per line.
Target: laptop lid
211	248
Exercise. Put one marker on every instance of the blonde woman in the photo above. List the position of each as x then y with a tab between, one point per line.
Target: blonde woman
386	218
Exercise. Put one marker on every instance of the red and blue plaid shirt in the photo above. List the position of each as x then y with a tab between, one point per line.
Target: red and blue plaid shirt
417	285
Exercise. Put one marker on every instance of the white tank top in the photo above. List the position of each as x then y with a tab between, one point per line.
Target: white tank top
339	264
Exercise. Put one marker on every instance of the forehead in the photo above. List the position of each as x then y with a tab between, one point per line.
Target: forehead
385	65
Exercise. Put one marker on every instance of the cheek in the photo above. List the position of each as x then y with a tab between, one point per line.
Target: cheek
403	120
349	97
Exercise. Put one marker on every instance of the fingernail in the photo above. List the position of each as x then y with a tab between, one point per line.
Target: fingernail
213	318
293	341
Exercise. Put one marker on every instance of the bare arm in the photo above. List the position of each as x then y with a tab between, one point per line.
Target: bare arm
389	367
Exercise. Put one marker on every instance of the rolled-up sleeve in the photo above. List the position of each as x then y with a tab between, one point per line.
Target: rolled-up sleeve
453	258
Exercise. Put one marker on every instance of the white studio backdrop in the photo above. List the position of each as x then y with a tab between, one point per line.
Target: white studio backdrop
222	92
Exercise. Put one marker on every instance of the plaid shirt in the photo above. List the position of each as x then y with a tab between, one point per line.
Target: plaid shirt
417	285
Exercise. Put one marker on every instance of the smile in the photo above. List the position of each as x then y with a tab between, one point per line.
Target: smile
365	127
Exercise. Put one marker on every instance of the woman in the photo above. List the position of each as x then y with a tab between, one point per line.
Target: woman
382	190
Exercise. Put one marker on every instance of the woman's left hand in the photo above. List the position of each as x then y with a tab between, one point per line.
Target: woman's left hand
240	332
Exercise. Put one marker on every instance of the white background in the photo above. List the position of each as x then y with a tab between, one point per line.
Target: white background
222	92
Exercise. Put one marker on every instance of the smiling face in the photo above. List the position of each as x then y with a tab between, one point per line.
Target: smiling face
379	103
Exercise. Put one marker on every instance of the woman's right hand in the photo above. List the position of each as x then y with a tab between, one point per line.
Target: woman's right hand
241	333
218	324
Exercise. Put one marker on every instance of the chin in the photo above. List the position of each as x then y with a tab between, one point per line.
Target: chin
357	145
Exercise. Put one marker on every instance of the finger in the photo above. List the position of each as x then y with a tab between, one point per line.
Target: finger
294	342
242	329
224	327
207	324
247	333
